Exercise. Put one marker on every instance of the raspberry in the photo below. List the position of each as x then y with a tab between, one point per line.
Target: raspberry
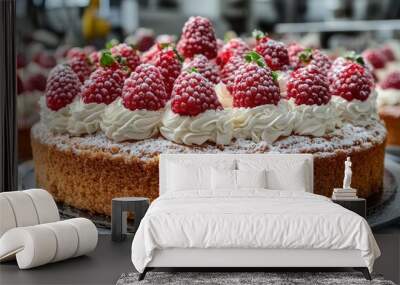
255	84
20	85
315	57
229	70
193	94
235	47
45	59
105	83
62	87
170	63
76	52
351	81
388	53
94	58
293	52
391	81
198	37
144	89
205	67
21	61
309	86
375	58
81	66
126	55
36	82
275	53
149	56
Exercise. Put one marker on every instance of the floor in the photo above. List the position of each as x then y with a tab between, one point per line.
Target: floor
110	260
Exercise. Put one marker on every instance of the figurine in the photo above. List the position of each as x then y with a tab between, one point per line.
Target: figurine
347	174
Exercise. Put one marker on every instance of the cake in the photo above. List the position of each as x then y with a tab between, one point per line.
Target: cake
389	106
101	137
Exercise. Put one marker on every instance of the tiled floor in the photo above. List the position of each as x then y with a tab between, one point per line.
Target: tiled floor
110	260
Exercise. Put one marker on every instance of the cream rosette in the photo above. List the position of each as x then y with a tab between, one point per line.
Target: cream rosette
85	118
212	125
356	112
314	120
388	97
56	121
263	123
120	123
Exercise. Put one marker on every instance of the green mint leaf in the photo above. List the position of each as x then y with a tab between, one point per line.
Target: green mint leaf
112	43
275	75
106	58
258	34
178	55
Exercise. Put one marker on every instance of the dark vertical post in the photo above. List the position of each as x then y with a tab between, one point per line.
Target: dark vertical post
8	123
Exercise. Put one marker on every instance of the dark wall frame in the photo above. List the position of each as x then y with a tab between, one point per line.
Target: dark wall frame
8	122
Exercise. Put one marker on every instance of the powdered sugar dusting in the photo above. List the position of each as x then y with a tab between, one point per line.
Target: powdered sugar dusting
348	138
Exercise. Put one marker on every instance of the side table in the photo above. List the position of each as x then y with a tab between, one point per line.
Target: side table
120	208
357	205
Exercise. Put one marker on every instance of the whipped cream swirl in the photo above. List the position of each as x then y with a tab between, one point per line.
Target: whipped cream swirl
263	123
212	125
56	121
314	120
390	97
85	118
120	123
224	96
356	112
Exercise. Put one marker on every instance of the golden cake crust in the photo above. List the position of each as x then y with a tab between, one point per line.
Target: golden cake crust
87	172
391	116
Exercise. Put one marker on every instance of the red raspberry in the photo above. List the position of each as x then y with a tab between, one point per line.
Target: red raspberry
76	52
81	66
309	86
62	87
391	81
198	37
315	57
21	61
193	94
20	85
351	81
105	83
94	58
149	56
255	84
205	67
45	59
235	47
375	58
275	53
36	82
293	51
229	70
388	53
128	56
144	89
170	63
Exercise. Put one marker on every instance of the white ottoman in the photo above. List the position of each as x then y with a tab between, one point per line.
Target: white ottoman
40	244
